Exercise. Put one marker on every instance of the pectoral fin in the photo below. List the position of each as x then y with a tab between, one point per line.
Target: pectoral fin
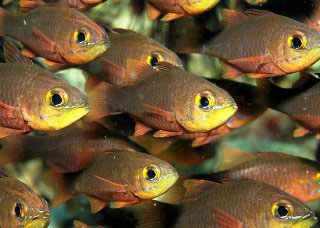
225	220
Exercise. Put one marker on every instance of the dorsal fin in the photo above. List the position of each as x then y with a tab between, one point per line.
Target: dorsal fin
256	12
167	67
195	188
231	17
233	157
13	55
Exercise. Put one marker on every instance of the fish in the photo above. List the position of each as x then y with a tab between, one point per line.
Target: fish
21	206
32	98
297	176
120	178
256	2
26	5
228	203
170	100
114	65
251	103
174	9
64	35
299	102
257	43
65	152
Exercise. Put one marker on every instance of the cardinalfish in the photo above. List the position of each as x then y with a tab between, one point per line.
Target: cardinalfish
26	5
68	151
188	104
177	8
129	49
32	98
64	35
121	178
20	206
228	203
257	43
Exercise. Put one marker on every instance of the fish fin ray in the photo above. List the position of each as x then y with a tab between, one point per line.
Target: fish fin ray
171	16
96	204
149	214
195	188
139	69
257	12
28	53
13	55
52	63
27	5
44	39
119	204
151	109
230	71
225	220
4	132
115	187
167	67
300	132
141	129
152	12
163	133
231	17
115	72
233	157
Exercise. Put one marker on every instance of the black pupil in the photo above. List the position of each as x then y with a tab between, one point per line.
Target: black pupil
282	211
81	37
56	99
151	174
296	42
17	210
204	102
154	61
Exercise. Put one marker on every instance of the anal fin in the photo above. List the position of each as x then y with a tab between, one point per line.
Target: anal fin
96	204
171	16
141	129
229	71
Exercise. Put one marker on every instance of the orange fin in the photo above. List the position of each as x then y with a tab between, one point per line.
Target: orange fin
317	136
194	188
13	55
257	12
257	76
171	16
168	116
152	12
233	157
98	95
229	71
52	63
139	68
4	132
300	131
141	129
162	133
114	187
150	214
79	224
96	204
26	5
167	67
7	110
44	40
59	183
225	220
28	53
119	204
231	17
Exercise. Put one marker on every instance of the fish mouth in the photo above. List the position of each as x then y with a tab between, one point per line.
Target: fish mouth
87	44
40	221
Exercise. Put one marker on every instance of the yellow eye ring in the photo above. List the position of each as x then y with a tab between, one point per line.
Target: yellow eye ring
19	211
297	41
57	98
151	173
81	36
153	59
205	101
282	209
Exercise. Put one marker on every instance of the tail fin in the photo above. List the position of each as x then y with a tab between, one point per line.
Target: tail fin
11	149
60	183
3	13
191	38
26	5
99	94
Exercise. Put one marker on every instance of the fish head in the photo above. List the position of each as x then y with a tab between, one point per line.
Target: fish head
153	177
57	106
299	48
85	41
204	108
284	210
22	206
197	7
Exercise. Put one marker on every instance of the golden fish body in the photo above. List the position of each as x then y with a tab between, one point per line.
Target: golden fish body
20	206
59	34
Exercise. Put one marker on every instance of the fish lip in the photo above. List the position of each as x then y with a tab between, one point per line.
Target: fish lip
104	42
33	222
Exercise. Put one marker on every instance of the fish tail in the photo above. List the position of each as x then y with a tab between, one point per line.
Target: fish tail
3	14
12	149
26	5
191	39
59	183
100	95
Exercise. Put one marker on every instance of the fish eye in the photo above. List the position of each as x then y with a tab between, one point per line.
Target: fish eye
57	98
153	59
297	41
151	173
205	100
18	210
282	209
81	37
